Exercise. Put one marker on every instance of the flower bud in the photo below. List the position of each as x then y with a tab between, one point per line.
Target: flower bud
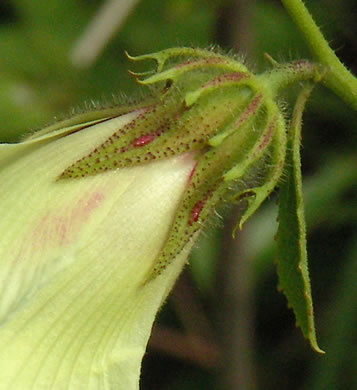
100	211
213	106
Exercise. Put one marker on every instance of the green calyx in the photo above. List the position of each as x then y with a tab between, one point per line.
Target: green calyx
210	105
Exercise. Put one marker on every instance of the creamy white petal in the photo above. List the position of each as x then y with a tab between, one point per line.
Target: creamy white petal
75	312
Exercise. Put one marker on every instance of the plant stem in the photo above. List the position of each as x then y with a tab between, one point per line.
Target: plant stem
283	75
338	78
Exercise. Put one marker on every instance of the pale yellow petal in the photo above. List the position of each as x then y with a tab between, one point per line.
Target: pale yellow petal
75	312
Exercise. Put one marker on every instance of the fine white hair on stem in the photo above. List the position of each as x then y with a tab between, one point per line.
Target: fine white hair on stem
99	31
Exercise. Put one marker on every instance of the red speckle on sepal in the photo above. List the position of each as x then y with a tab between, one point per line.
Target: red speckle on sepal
143	140
267	136
196	211
192	173
236	76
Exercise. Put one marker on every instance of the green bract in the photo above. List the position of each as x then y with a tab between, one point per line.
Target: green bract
213	106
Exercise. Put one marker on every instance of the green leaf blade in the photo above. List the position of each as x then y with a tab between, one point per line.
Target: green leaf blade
292	264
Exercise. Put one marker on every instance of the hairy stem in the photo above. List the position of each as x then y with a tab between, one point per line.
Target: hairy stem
283	75
338	78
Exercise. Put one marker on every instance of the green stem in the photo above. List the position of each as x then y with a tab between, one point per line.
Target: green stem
338	78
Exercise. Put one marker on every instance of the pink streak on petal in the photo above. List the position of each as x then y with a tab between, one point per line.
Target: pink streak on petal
61	226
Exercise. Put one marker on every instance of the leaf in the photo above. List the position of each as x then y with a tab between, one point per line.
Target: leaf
292	264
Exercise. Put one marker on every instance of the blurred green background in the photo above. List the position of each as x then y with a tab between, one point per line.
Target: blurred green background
225	326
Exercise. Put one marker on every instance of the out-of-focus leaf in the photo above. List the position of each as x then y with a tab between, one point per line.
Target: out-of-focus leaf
340	330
